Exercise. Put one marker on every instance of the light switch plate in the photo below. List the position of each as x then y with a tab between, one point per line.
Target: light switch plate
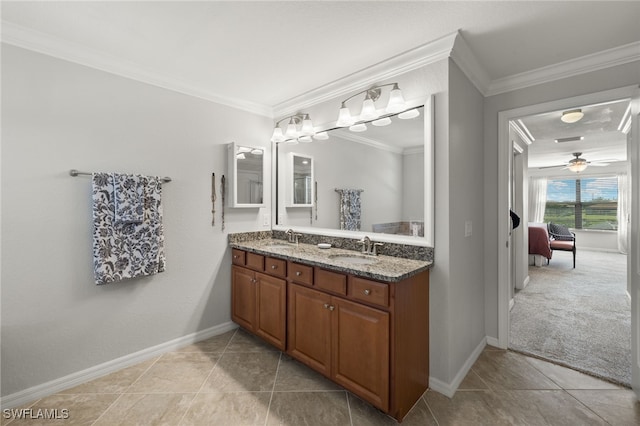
266	219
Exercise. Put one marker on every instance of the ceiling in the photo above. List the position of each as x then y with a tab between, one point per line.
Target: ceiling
267	52
601	130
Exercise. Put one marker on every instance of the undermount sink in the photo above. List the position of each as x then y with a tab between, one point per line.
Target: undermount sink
353	258
279	245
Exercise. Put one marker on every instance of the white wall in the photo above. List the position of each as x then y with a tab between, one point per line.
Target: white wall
465	290
341	163
57	116
610	78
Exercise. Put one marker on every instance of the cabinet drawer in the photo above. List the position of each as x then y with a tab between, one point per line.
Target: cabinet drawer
255	261
238	257
301	274
368	291
330	281
275	267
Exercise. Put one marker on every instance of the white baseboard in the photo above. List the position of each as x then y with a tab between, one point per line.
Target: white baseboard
512	302
525	282
492	341
79	377
449	389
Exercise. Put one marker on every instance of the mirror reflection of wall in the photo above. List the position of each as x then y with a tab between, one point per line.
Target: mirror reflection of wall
302	180
247	176
387	163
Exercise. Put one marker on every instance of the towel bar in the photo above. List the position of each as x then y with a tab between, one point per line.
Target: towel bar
74	173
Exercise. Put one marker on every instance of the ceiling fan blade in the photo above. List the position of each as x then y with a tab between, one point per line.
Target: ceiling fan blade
552	167
598	164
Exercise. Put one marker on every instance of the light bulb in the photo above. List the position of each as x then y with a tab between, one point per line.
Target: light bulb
321	136
382	122
368	109
344	117
360	127
307	126
412	113
305	139
396	100
292	131
277	136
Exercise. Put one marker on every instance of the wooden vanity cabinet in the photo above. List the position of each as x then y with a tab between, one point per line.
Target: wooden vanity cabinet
259	296
370	337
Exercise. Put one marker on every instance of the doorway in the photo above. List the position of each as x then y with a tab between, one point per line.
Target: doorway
505	160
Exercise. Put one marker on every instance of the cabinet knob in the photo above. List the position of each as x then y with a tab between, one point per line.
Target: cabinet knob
298	273
274	267
235	256
331	307
367	292
326	306
253	280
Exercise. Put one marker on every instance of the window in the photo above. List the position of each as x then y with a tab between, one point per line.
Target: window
586	203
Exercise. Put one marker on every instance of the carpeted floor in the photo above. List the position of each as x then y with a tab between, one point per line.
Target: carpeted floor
580	318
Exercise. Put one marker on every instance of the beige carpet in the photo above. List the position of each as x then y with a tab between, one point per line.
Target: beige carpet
580	318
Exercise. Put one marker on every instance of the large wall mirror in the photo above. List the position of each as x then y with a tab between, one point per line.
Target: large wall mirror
246	176
379	181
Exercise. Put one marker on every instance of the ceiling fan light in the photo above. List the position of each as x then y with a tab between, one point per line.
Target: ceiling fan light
572	116
577	166
344	117
396	100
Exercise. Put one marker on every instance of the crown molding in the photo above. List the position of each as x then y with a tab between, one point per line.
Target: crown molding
466	60
343	134
36	41
521	129
400	64
607	58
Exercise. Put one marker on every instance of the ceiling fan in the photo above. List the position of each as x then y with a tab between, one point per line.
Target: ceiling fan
578	164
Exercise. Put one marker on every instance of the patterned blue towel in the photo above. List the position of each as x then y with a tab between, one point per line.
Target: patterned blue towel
126	250
128	193
350	209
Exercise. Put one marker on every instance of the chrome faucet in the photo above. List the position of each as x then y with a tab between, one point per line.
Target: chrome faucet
369	247
293	237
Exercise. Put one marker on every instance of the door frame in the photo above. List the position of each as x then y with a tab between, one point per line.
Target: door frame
503	249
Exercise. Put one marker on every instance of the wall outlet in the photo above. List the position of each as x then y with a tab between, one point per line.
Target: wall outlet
266	219
468	228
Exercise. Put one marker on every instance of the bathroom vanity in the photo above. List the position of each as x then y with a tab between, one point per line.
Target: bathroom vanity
361	321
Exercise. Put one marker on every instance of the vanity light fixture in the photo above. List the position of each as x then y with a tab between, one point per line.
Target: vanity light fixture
384	121
572	116
299	125
412	113
368	111
360	127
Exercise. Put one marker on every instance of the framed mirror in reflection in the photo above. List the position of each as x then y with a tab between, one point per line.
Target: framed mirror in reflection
300	180
246	176
372	181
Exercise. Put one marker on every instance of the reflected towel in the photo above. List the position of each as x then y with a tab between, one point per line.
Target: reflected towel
126	250
128	195
350	209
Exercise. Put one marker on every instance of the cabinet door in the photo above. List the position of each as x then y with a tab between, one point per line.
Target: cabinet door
360	340
309	335
271	305
243	297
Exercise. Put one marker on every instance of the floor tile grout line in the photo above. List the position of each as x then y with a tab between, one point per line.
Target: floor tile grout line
585	405
193	398
275	380
141	374
346	394
107	409
429	408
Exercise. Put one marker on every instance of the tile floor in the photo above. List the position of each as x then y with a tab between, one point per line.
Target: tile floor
235	379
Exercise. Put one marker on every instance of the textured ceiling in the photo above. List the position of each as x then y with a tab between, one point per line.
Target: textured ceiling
267	52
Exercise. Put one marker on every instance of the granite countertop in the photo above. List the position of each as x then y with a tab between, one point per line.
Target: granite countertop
385	268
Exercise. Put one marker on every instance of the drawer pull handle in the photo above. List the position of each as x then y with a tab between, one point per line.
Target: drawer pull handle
367	292
274	267
331	307
326	306
298	273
